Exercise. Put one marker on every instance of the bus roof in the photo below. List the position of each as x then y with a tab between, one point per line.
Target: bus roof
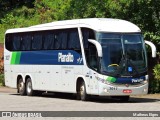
97	24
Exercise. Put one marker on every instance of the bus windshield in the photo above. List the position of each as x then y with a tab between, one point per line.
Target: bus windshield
123	54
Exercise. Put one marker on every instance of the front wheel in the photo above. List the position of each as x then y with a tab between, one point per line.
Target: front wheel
29	88
82	92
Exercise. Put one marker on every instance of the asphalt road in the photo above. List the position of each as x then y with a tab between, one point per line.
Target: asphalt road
11	101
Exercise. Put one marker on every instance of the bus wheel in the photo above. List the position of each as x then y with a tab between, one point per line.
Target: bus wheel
82	92
29	89
21	87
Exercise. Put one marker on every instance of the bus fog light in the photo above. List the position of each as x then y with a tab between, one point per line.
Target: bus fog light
105	90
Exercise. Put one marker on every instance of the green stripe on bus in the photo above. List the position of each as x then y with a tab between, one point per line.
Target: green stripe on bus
111	79
15	57
18	56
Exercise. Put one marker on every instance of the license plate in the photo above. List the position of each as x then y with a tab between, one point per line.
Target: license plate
127	91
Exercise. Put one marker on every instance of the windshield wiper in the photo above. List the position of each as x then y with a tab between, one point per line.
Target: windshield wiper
124	64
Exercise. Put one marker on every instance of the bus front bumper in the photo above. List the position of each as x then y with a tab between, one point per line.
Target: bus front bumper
109	90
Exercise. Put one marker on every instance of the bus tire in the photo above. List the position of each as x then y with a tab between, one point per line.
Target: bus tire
29	88
21	87
82	92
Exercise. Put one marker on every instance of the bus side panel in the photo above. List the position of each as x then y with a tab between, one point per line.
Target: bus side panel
8	73
47	77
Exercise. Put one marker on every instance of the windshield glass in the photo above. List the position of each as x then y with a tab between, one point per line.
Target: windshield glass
123	54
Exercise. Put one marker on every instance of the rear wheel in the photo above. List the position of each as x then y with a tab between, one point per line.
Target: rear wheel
21	87
29	88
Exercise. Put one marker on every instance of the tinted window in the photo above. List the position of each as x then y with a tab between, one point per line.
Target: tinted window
48	41
57	42
73	40
37	41
92	57
26	42
90	49
63	36
8	42
44	40
87	34
16	42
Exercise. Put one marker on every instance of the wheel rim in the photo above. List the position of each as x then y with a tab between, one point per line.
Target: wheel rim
29	87
82	90
21	86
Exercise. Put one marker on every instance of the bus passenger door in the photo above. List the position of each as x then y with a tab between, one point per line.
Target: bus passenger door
92	60
93	83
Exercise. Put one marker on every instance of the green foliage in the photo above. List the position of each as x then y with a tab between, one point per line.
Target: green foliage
157	72
155	38
3	29
2	80
155	84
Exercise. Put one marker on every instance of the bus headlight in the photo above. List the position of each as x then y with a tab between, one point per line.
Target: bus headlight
103	80
146	80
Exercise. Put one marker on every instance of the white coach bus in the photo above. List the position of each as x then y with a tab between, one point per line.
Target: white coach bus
95	56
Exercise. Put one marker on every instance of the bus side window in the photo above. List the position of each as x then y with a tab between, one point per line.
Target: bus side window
87	34
92	57
48	41
16	42
73	40
57	41
8	42
26	42
37	41
63	36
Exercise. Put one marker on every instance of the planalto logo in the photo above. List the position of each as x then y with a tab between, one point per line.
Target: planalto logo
137	80
65	58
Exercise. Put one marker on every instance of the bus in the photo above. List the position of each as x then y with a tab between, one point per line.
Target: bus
92	56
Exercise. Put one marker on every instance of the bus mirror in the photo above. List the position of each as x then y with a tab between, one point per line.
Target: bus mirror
98	46
153	48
